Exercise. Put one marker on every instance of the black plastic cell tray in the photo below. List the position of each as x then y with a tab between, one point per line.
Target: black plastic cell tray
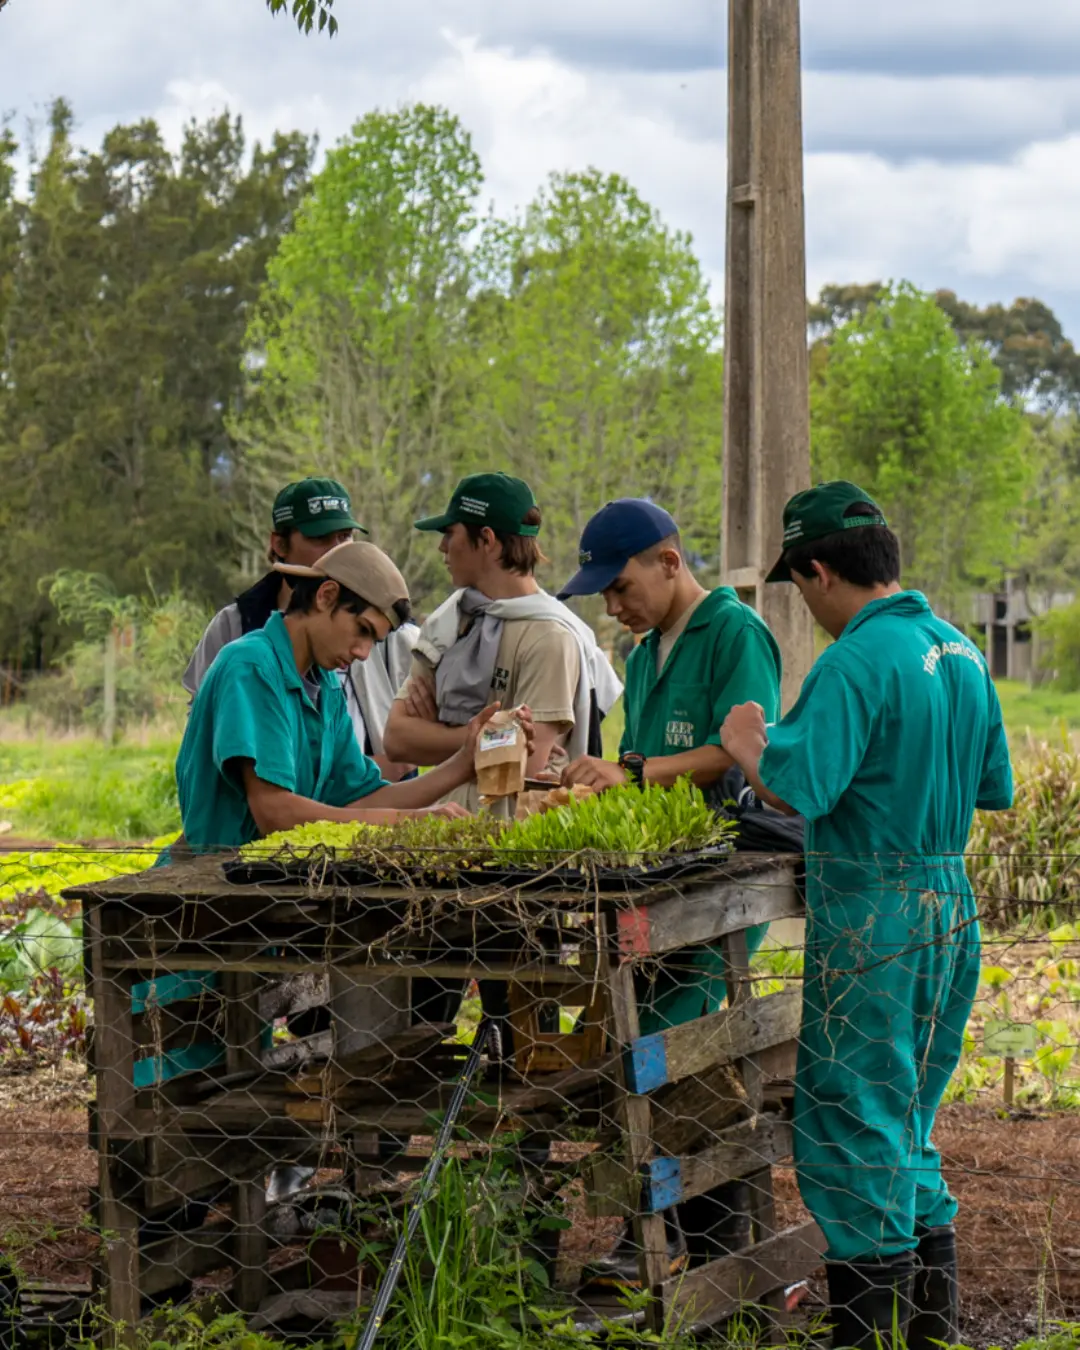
240	872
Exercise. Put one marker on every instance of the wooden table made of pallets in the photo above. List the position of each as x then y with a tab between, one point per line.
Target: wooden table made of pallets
675	1113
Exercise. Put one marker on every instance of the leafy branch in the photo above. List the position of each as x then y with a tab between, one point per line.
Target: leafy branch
305	13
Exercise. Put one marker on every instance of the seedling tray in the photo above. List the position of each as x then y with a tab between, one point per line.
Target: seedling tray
320	871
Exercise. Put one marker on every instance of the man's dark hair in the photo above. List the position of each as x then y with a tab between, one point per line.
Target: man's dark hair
521	552
305	589
285	532
866	555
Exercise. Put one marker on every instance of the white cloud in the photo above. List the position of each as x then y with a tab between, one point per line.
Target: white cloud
933	152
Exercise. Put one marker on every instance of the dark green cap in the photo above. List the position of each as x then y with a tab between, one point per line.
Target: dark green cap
820	511
316	507
492	499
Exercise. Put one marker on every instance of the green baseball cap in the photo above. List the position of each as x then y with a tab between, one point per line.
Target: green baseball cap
316	507
493	499
819	511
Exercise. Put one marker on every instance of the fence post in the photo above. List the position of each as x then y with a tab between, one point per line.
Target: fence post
108	725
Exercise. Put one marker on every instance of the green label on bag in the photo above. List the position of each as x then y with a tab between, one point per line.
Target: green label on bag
1010	1040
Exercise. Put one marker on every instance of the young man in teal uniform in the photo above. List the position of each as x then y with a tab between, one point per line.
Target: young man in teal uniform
895	741
269	744
703	652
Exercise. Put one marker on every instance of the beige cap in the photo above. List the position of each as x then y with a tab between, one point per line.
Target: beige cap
364	569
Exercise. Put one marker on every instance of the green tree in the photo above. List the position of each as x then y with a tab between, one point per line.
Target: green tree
1037	362
134	274
359	360
602	370
917	418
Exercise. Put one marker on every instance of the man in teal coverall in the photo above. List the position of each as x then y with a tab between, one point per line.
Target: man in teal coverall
702	652
895	741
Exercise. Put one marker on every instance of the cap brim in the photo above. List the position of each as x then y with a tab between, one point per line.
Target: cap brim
442	522
781	572
591	579
295	570
319	529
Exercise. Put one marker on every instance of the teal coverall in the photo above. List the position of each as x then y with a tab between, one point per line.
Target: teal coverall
252	705
896	739
725	656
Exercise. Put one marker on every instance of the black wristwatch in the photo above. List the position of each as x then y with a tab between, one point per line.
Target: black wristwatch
633	764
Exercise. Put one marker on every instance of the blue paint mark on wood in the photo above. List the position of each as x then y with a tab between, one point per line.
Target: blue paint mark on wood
646	1064
663	1184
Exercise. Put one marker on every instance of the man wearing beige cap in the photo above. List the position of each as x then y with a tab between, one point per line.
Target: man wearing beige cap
309	518
269	744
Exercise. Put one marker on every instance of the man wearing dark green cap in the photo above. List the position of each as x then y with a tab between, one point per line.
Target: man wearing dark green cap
895	741
309	518
499	636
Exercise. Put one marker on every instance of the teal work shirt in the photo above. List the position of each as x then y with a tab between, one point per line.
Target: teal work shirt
725	656
252	705
894	742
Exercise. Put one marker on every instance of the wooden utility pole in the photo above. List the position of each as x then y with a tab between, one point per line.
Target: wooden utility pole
766	381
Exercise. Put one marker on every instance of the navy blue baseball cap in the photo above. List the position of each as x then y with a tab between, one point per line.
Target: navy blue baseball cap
618	532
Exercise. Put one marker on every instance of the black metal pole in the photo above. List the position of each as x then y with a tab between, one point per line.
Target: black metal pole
386	1289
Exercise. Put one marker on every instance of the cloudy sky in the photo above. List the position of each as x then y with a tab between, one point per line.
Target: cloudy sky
942	136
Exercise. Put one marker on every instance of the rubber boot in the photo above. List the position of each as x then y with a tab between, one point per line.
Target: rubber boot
868	1300
716	1223
936	1296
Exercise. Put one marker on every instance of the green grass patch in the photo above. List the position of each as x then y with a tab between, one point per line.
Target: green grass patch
1042	713
66	791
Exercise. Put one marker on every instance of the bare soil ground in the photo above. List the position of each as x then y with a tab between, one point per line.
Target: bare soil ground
1017	1180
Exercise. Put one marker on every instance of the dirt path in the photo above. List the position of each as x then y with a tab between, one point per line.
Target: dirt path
1017	1181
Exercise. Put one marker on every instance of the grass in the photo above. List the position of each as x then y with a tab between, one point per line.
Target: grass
72	788
77	789
1040	713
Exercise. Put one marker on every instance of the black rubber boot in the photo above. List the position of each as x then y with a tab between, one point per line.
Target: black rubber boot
869	1300
936	1296
716	1223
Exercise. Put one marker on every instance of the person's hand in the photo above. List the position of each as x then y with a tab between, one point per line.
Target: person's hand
523	713
445	811
743	733
598	774
420	699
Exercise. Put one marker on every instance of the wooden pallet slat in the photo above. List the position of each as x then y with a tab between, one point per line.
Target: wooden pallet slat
667	1056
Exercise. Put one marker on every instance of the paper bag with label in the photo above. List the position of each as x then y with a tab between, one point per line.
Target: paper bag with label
501	755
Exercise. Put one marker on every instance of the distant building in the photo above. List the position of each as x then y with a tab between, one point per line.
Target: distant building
1003	619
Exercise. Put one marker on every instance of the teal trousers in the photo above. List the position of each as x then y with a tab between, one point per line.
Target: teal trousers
891	974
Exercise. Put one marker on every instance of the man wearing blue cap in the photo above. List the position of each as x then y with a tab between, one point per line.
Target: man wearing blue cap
895	741
703	652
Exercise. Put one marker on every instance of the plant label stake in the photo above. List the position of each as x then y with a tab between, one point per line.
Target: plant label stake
1011	1041
438	1153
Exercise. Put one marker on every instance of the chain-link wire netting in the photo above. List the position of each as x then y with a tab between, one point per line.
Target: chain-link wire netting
223	1083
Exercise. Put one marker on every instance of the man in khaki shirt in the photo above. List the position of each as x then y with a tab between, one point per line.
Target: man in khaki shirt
499	638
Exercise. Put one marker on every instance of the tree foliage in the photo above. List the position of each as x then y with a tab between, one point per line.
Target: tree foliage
575	346
183	332
909	411
307	14
131	275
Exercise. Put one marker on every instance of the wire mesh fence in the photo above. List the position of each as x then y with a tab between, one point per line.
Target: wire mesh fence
224	1081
